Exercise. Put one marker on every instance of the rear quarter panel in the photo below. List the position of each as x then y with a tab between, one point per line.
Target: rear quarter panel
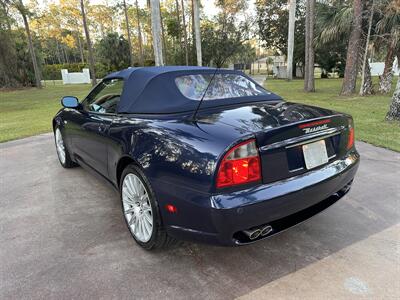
176	152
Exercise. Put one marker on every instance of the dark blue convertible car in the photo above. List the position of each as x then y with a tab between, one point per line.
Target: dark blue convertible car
207	155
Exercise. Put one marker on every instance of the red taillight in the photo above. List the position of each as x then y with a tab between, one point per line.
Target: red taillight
240	165
350	140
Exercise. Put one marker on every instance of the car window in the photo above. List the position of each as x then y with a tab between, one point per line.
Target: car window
105	97
223	86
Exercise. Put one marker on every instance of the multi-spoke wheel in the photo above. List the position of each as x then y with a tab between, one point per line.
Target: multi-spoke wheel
62	151
137	208
60	146
141	210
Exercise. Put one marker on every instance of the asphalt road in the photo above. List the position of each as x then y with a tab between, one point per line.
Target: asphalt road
62	236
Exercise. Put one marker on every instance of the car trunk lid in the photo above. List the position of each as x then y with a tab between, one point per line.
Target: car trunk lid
281	129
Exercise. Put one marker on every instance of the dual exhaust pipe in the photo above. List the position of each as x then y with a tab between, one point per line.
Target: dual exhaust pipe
256	232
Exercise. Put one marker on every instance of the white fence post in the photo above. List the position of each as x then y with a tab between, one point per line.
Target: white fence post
86	75
64	75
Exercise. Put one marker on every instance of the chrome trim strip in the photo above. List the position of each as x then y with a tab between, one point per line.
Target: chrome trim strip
295	170
303	139
307	141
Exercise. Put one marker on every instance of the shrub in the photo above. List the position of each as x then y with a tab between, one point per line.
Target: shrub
53	72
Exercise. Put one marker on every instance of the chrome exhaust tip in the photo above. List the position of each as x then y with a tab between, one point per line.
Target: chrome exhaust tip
266	230
252	233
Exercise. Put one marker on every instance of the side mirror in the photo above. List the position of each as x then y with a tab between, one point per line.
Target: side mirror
70	102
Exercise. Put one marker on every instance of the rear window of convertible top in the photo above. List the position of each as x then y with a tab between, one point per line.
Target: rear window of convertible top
223	86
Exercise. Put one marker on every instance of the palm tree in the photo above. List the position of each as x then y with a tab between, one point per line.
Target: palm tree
156	30
353	50
385	33
19	5
292	17
309	85
196	13
385	82
128	31
388	31
334	23
394	110
366	82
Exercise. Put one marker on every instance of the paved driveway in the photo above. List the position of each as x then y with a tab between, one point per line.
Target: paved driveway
62	236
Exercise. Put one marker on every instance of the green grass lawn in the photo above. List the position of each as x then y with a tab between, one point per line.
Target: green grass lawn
28	112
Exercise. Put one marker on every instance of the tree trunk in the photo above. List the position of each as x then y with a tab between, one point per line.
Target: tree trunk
89	45
306	46
309	82
65	54
128	32
394	109
64	58
141	58
178	20
60	60
292	17
258	58
81	48
367	86
366	83
102	31
149	39
191	27
185	34
164	52
196	13
353	49
156	30
385	83
31	48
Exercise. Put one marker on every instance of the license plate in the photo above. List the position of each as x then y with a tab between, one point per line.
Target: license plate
315	154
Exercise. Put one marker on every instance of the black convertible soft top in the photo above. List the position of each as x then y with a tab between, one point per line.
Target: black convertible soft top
152	90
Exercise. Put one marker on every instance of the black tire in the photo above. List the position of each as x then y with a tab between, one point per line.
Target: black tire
68	163
159	238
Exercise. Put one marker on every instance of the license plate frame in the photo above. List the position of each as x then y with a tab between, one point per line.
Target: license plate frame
315	154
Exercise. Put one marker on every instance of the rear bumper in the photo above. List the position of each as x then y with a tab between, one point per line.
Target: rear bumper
281	204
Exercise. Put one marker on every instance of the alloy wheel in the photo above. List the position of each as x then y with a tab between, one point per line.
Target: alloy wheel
60	146
137	208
